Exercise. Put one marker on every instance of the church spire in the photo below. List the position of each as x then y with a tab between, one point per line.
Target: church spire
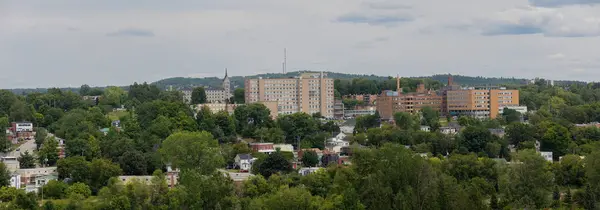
225	73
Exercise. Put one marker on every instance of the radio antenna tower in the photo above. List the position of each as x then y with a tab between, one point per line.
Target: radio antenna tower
284	60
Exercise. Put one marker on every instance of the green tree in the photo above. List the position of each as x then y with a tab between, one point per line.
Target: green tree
554	137
4	175
250	117
40	136
49	205
133	163
48	154
297	125
26	160
192	150
55	189
528	185
226	122
78	188
310	159
113	96
198	95
475	138
84	90
274	163
288	198
239	96
518	132
569	171
100	171
20	111
207	191
511	115
405	120
431	117
75	168
274	135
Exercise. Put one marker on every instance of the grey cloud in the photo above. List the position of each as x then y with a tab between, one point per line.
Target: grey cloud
511	29
374	19
561	3
134	32
544	21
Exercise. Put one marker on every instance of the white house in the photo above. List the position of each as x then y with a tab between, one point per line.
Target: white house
244	161
347	129
547	156
308	170
15	180
336	143
449	130
425	128
23	127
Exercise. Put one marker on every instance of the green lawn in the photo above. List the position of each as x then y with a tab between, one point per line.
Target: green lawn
117	115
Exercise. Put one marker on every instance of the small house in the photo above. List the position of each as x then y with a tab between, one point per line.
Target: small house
244	162
308	170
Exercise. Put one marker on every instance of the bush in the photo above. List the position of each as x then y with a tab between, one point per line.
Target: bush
55	189
79	189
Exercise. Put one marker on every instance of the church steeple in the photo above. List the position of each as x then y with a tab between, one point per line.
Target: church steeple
225	73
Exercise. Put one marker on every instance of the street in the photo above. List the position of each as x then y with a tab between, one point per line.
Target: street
28	145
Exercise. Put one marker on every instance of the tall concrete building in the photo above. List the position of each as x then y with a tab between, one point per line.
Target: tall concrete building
309	93
479	102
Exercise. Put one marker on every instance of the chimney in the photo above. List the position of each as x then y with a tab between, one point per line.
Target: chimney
398	88
450	80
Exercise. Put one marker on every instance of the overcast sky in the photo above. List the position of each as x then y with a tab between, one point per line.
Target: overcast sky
49	43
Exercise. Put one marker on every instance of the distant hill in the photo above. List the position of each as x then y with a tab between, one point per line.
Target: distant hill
238	81
181	83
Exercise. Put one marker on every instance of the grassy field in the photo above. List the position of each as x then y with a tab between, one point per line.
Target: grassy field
115	115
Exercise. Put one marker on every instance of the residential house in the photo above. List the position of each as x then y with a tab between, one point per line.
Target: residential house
329	159
347	129
38	181
11	163
449	130
547	156
425	128
116	123
30	175
15	180
262	147
336	143
244	162
308	170
19	131
497	132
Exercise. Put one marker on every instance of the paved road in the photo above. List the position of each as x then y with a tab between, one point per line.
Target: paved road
28	145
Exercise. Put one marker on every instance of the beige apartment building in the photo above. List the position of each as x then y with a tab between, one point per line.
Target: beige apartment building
479	102
309	93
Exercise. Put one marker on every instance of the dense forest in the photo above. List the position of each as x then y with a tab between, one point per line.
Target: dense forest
392	166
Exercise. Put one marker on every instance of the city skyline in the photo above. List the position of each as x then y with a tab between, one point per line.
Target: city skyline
100	43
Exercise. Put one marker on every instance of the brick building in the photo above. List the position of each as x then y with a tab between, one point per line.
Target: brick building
390	102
